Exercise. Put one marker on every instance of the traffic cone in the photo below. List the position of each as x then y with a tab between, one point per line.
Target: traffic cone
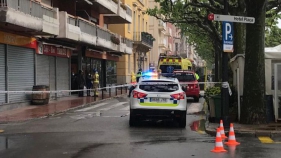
222	130
218	145
231	137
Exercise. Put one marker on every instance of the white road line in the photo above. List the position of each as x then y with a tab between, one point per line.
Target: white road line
126	108
111	107
92	107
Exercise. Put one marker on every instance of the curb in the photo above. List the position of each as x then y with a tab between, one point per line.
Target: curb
60	112
247	133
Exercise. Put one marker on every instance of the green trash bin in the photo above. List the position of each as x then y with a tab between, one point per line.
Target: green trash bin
217	101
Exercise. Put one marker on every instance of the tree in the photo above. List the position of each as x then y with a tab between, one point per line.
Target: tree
195	12
273	36
253	108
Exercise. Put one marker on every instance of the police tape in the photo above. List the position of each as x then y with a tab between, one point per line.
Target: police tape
224	85
62	91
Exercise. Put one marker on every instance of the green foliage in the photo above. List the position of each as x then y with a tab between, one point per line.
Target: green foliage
273	36
212	91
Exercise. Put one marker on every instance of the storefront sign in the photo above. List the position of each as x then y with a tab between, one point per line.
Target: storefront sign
53	50
17	40
97	55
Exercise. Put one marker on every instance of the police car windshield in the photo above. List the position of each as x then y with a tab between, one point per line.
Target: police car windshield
158	86
169	68
185	77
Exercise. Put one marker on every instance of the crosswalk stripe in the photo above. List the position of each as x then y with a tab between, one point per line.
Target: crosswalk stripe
92	107
111	107
125	108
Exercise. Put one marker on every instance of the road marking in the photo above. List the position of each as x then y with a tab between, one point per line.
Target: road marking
92	107
266	140
126	108
111	107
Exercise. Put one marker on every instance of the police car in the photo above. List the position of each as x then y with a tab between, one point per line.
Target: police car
156	99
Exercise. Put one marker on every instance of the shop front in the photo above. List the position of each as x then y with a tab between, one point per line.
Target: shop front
53	67
17	72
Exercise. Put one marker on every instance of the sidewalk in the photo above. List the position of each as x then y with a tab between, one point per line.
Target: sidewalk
268	130
54	107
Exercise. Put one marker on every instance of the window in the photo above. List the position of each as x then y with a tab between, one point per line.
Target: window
169	68
161	86
129	27
176	46
134	21
143	28
129	64
185	77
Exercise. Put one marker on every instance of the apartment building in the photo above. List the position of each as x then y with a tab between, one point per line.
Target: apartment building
137	32
42	42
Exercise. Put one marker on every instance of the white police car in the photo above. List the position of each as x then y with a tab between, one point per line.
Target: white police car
158	99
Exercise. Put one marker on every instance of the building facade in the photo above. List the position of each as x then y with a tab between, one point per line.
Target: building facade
137	32
43	42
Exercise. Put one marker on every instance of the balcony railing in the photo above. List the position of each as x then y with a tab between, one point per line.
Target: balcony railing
29	7
87	27
142	37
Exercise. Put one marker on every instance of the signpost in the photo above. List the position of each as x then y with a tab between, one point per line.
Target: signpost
238	19
227	37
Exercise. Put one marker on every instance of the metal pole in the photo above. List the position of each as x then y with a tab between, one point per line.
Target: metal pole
224	89
238	93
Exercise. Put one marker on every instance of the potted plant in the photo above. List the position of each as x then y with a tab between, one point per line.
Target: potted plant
115	40
123	6
116	1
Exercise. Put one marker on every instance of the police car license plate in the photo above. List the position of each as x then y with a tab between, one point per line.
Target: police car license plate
158	100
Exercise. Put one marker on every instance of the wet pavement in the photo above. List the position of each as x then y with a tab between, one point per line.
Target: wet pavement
102	131
55	106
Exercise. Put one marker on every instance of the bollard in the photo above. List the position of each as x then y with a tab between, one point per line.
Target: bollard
121	88
110	91
116	91
95	97
102	94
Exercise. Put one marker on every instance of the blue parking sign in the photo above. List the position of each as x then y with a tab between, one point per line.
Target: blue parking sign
227	36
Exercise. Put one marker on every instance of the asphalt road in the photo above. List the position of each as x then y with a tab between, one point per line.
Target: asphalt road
102	131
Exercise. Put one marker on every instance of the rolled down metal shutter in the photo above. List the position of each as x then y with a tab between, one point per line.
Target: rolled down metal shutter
2	74
42	70
20	72
63	75
52	75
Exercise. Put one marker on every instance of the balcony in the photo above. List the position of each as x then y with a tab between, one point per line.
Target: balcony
122	15
105	6
143	41
29	17
161	25
163	44
128	46
80	30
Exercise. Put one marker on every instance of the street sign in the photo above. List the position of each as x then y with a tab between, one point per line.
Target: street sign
227	36
238	19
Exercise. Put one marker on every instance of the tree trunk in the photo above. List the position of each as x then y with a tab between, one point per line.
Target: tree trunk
239	31
253	108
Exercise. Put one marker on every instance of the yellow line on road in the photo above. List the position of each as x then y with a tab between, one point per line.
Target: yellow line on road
266	140
1	131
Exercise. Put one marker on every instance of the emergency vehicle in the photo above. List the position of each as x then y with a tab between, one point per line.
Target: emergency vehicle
188	80
167	64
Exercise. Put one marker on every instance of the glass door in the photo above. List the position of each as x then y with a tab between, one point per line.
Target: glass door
277	90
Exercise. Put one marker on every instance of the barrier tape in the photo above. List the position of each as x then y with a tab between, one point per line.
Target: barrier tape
224	85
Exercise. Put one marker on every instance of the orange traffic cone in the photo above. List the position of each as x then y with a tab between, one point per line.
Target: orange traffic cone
231	137
222	130
218	145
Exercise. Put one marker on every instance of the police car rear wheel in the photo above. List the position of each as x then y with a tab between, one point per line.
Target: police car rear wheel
132	119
